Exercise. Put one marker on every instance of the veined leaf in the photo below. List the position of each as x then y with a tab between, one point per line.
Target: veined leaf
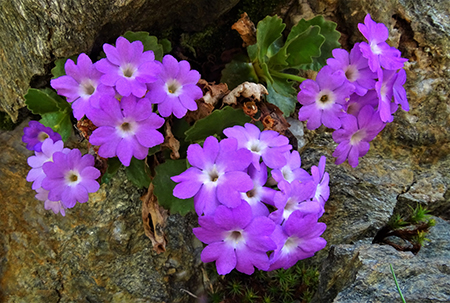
113	167
59	70
163	187
283	95
268	31
59	121
328	30
304	47
238	71
44	101
150	43
215	123
138	173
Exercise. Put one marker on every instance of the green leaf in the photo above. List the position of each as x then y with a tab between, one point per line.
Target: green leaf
138	173
113	167
238	71
60	122
215	123
44	101
331	35
167	46
59	70
252	51
153	150
268	31
150	43
283	95
164	187
304	47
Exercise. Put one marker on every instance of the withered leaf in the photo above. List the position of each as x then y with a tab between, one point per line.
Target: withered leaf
273	119
247	90
154	219
171	142
246	28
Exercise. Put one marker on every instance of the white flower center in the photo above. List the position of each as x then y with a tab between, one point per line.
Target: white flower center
235	238
72	177
325	99
256	146
287	174
357	137
127	128
173	87
352	73
211	176
87	87
42	136
290	245
375	49
128	70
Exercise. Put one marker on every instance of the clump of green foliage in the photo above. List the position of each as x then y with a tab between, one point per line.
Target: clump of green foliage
413	229
297	284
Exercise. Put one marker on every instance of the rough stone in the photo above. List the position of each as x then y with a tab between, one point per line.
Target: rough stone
33	33
97	253
361	272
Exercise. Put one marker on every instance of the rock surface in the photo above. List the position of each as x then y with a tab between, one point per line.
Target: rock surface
97	253
33	33
361	272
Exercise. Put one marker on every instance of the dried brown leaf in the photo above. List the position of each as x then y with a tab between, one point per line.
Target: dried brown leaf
248	90
272	118
212	93
86	127
246	28
171	142
154	219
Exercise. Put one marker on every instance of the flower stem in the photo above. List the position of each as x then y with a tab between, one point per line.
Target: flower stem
287	76
396	284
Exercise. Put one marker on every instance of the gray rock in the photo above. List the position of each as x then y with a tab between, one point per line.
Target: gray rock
97	253
33	33
361	272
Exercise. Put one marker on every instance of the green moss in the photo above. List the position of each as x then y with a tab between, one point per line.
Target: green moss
285	286
5	122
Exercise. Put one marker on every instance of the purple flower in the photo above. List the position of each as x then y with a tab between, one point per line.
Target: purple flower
125	129
324	98
36	173
355	67
399	90
128	68
356	102
321	180
385	92
259	194
81	85
176	89
298	239
355	135
55	206
35	134
267	144
291	171
70	178
294	196
216	176
377	51
236	239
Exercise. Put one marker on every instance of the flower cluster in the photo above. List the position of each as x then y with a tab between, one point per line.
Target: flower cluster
228	180
60	176
356	93
117	92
